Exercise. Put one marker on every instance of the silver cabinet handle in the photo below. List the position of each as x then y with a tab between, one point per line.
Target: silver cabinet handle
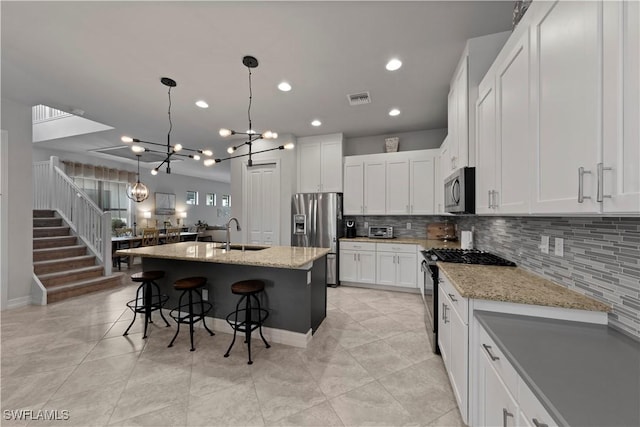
487	348
489	199
444	313
453	297
538	423
581	173
505	414
600	196
495	199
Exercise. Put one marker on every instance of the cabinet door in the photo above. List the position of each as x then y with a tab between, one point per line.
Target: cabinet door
386	268
513	148
406	269
422	187
452	141
620	174
461	157
458	366
309	167
374	188
331	167
486	145
348	265
397	187
438	182
367	267
353	199
497	407
444	327
566	69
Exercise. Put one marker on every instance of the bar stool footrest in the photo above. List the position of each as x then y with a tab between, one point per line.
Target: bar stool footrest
181	313
241	326
138	305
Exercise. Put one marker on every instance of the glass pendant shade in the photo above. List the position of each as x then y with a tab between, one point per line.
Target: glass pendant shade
138	192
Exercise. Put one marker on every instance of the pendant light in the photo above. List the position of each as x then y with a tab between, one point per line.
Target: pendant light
138	192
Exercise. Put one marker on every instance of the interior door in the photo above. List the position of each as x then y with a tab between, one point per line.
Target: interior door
263	204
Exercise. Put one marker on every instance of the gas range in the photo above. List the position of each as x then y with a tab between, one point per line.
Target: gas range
466	256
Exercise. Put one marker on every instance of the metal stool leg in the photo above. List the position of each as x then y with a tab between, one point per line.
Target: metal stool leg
202	312
178	328
247	332
135	312
260	319
160	309
235	323
191	315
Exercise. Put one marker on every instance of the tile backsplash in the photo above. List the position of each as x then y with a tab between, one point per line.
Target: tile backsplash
601	256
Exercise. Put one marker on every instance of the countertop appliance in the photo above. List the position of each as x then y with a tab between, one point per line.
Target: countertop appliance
460	191
351	229
317	222
431	280
381	232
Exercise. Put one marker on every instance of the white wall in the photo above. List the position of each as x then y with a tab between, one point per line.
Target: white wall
16	120
419	140
288	184
174	183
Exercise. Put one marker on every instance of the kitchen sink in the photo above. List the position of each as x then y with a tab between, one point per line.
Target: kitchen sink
247	247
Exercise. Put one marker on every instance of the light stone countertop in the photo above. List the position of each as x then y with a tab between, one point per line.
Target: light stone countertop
425	243
272	256
513	284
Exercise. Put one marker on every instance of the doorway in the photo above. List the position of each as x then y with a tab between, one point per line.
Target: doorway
262	203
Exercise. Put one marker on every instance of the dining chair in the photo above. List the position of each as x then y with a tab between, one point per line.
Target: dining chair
124	232
172	235
150	236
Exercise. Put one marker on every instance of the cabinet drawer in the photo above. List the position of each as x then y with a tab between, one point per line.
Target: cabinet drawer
535	414
499	362
396	247
459	304
358	246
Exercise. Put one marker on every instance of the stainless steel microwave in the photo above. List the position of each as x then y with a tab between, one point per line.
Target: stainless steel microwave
460	192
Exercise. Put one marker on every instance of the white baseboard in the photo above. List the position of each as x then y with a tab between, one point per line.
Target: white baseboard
273	335
380	287
19	302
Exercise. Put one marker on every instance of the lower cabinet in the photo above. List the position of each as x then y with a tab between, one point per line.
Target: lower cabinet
379	263
498	407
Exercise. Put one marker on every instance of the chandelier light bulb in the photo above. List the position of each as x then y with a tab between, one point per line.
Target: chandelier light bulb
196	157
126	139
209	162
177	147
154	171
231	150
207	152
225	132
138	149
289	146
269	135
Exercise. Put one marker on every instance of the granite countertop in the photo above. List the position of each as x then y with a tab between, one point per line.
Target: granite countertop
513	284
272	256
583	374
425	243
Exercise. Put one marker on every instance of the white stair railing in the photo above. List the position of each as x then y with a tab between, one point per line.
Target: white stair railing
54	190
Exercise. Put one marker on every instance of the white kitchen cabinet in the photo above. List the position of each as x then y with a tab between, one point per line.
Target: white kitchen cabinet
353	197
502	148
453	340
375	187
566	59
478	55
498	407
397	186
396	265
438	203
357	262
618	173
422	184
320	163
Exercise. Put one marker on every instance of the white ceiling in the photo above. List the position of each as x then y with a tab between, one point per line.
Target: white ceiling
106	58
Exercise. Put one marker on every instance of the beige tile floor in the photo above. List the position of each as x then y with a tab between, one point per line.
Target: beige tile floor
369	363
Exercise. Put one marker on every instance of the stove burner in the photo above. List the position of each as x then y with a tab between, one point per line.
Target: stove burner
467	256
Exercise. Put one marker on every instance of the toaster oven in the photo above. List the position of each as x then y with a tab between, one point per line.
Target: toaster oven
385	232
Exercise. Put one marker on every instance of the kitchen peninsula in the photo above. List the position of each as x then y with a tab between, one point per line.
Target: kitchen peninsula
295	281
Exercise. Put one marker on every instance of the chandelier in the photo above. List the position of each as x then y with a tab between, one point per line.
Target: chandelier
171	149
252	136
138	192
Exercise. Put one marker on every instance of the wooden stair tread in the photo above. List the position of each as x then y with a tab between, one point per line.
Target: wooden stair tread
69	272
83	287
83	282
64	260
57	248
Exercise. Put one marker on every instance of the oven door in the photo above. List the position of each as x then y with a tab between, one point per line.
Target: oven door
430	290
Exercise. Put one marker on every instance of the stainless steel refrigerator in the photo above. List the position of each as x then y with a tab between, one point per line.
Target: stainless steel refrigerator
317	222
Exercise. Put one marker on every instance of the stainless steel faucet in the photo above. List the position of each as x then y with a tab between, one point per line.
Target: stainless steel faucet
228	244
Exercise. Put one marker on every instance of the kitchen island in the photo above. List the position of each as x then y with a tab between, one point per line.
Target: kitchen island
295	282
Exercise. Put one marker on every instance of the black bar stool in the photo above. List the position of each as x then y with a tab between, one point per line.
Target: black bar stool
189	286
254	317
146	301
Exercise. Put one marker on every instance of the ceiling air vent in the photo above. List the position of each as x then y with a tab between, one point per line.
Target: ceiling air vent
359	98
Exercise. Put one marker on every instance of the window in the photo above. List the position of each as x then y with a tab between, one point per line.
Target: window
211	199
192	197
110	196
226	201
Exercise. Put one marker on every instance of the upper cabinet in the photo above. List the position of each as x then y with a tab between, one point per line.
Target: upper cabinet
320	163
478	55
564	94
390	183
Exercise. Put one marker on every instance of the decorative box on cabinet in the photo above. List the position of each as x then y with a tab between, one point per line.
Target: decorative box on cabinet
320	163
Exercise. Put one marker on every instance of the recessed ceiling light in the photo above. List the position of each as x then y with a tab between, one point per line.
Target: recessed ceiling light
394	64
316	123
202	104
394	112
284	86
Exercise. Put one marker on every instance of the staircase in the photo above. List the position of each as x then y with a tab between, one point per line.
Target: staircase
62	262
